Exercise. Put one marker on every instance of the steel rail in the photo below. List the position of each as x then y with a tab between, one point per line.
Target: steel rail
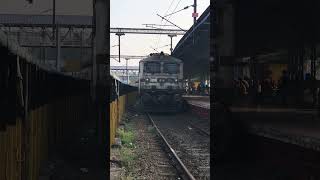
185	173
199	129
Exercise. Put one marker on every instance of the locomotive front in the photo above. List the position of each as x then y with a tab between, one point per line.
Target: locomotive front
161	82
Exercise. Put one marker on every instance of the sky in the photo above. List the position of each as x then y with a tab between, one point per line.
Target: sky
129	13
123	13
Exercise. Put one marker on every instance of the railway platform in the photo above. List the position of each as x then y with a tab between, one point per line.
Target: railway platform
298	126
199	105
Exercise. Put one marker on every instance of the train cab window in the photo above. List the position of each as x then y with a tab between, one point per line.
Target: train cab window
152	67
171	68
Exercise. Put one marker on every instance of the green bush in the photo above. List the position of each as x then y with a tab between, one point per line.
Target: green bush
127	158
127	137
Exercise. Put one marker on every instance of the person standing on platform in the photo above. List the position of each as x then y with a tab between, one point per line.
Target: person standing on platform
284	87
190	87
259	92
203	88
193	88
245	82
207	89
199	88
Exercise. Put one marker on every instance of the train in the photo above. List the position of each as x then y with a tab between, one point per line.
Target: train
161	83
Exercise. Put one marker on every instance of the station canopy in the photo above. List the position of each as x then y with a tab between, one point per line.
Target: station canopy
193	47
269	26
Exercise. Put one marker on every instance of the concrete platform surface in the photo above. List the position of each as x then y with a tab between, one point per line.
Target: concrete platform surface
291	125
198	101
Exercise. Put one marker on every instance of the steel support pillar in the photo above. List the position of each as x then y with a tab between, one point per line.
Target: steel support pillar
127	74
313	74
119	35
101	65
58	48
171	36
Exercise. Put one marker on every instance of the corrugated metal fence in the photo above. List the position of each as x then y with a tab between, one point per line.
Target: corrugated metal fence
40	110
47	126
117	108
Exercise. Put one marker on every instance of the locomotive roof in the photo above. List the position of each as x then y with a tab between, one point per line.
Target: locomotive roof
161	57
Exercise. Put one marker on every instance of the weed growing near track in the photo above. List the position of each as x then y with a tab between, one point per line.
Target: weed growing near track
127	158
127	153
127	137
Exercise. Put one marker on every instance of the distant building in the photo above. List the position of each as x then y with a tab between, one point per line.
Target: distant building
126	74
63	7
76	48
75	43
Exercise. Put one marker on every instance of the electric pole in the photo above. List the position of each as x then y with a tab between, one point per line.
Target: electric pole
100	67
171	36
195	14
53	17
58	48
127	70
119	34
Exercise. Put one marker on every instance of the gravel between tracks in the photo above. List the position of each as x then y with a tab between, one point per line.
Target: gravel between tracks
192	147
152	162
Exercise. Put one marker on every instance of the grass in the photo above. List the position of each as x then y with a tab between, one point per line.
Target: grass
127	137
127	158
128	177
127	153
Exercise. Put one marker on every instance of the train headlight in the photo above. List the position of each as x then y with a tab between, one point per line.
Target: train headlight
161	80
147	80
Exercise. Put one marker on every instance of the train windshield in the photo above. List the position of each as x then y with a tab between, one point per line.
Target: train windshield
152	67
171	68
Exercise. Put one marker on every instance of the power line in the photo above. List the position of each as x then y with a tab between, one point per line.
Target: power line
162	20
163	46
154	25
169	7
166	21
171	22
176	6
179	10
158	40
154	49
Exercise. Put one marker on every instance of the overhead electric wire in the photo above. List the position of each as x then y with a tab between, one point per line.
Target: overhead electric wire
176	6
169	7
158	41
163	46
171	22
162	20
154	49
178	10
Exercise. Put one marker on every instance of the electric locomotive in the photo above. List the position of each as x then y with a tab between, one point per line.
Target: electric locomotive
161	83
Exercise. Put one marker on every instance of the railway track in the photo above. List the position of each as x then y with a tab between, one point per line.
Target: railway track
202	127
165	170
188	145
153	163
